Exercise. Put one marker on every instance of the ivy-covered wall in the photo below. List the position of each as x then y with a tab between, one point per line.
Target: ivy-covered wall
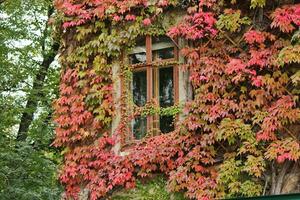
240	133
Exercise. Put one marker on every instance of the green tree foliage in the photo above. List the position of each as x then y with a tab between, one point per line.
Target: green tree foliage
26	173
28	167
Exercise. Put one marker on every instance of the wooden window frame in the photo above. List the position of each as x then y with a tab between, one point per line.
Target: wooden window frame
152	74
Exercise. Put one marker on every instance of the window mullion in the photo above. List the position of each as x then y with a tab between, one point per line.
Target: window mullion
148	49
156	97
149	79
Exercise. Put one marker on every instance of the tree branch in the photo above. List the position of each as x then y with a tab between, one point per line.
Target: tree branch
36	92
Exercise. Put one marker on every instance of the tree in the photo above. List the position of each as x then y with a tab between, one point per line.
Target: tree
29	81
36	92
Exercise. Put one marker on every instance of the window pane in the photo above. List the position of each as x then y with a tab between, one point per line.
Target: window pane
139	127
163	54
166	124
162	48
137	58
166	97
138	53
166	87
161	42
139	88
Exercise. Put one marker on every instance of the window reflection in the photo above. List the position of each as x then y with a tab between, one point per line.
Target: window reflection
166	87
162	48
139	88
166	97
137	58
166	124
139	127
163	54
139	92
138	54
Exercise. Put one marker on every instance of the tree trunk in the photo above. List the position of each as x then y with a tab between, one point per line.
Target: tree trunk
281	176
273	176
292	180
36	91
278	177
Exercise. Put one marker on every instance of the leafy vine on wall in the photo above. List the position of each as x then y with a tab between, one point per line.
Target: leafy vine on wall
239	135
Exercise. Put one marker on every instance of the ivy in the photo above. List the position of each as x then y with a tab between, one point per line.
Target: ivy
257	3
236	126
231	20
154	109
286	17
289	54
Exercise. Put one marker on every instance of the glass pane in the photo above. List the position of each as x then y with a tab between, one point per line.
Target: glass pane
166	124
138	53
163	54
139	127
137	58
166	87
161	41
139	88
162	48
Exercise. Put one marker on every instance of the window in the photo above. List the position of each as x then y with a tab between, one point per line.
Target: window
154	78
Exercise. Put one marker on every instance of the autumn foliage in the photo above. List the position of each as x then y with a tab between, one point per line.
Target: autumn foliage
240	128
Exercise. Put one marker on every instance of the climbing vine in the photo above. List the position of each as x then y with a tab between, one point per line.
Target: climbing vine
240	130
